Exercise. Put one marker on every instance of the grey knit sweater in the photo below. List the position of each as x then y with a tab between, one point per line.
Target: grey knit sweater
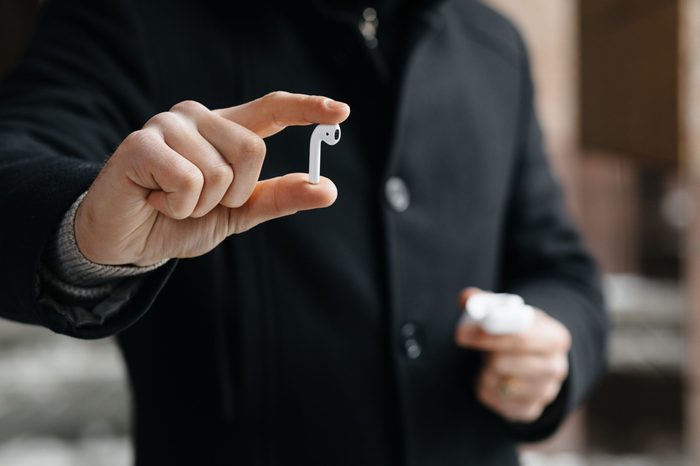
69	271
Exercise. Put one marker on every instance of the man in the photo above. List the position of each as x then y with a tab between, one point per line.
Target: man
326	337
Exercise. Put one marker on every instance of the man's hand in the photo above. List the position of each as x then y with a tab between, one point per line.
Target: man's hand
523	373
189	178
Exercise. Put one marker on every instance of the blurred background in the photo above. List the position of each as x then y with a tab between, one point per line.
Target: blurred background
619	96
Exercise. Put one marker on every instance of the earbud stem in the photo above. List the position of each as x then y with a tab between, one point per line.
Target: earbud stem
314	160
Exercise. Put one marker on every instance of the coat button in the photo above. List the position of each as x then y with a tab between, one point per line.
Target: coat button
413	349
397	194
411	346
368	27
408	330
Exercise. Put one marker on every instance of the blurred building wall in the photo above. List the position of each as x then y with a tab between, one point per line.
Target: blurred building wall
619	97
690	163
550	31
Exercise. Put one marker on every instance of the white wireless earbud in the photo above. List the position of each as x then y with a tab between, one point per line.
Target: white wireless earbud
330	134
499	314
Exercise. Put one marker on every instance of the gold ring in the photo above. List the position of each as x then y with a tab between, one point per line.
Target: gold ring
507	386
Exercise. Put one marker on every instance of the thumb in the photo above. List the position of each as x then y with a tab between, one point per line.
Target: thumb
281	196
467	329
467	293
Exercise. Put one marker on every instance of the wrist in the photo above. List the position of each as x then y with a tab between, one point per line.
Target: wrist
74	263
82	226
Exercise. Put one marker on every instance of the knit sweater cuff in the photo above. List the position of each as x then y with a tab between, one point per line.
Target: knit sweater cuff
67	264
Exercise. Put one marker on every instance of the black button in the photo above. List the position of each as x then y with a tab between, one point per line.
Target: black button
408	330
368	27
413	349
411	337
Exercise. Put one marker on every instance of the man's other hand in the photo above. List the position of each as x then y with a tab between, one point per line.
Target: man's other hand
522	373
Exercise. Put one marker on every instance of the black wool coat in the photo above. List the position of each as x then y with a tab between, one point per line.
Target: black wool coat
324	338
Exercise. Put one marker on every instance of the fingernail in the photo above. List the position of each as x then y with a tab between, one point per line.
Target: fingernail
335	105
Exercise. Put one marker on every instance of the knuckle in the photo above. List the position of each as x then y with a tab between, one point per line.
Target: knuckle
274	96
560	336
557	367
311	104
253	147
189	180
533	412
551	371
525	414
221	174
165	120
308	100
270	102
560	369
315	101
551	392
140	139
188	107
565	340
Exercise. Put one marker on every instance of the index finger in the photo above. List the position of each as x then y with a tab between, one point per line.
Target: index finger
539	338
273	112
473	337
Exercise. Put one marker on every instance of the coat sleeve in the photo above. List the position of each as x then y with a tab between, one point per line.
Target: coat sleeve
83	85
546	263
